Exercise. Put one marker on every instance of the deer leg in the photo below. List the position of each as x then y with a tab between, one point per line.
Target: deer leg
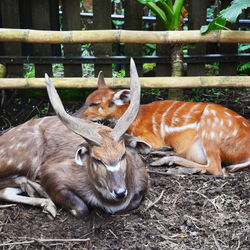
70	201
212	167
236	167
13	195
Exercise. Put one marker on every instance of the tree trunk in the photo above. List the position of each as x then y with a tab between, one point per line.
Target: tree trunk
177	70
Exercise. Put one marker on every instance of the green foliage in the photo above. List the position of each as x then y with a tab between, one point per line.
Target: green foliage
166	11
149	49
244	47
29	69
229	14
243	67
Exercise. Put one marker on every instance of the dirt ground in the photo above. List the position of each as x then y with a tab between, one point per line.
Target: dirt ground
179	212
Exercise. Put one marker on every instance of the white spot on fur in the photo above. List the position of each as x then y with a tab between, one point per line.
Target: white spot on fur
216	120
19	166
163	120
34	161
198	126
100	110
9	162
177	129
229	123
221	134
244	124
227	114
206	112
235	132
203	134
221	123
177	112
212	135
213	112
19	145
154	125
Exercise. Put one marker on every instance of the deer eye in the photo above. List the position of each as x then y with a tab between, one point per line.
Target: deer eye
123	156
111	104
99	161
94	104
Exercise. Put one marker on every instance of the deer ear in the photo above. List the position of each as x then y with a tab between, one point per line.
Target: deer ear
139	145
100	81
80	154
121	97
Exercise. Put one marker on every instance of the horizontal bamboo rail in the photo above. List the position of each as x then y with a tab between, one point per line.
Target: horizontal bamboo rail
122	36
146	82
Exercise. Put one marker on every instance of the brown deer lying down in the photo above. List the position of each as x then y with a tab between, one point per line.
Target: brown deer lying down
79	164
202	135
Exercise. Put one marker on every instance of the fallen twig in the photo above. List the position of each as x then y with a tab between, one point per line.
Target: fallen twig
217	243
156	201
33	240
9	205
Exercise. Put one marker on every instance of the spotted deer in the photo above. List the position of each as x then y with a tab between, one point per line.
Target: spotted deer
80	164
203	135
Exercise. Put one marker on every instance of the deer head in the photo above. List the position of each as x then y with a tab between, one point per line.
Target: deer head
104	149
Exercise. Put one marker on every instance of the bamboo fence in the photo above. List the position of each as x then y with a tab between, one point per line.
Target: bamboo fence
122	36
146	82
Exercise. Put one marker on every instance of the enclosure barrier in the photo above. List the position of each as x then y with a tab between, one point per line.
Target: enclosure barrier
126	36
146	82
122	36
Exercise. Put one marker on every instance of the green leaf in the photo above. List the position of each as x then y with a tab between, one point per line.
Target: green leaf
217	24
232	12
148	1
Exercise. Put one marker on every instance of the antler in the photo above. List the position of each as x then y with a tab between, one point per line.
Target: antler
79	126
128	117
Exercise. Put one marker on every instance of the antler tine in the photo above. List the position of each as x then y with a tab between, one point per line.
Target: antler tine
78	126
128	117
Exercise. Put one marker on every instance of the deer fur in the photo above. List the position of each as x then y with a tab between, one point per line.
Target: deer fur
203	135
79	164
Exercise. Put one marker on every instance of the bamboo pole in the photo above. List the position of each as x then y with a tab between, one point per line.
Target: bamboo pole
146	82
122	36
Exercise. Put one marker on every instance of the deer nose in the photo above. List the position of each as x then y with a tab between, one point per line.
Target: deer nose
120	193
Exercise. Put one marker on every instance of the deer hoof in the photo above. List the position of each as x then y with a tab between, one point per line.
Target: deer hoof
49	207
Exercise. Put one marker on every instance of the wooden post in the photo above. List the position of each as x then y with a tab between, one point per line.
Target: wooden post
41	20
71	21
102	20
133	12
11	19
196	18
228	68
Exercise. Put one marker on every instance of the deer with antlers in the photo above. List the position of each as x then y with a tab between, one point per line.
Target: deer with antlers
80	164
203	135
